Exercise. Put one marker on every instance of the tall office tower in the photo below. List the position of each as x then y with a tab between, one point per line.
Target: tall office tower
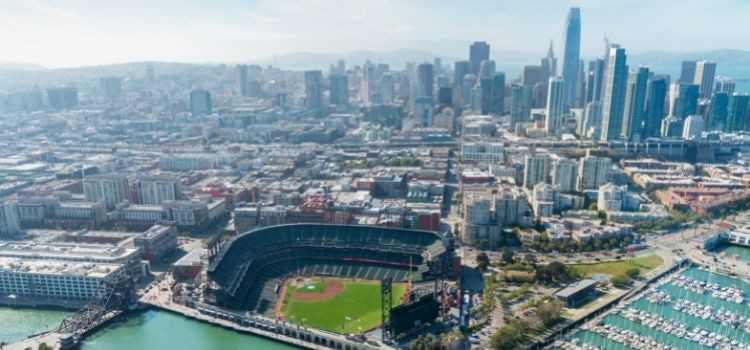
423	111
200	102
594	80
367	84
486	68
62	97
536	170
685	100
478	52
635	104
111	189
571	55
687	73
655	100
725	85
339	89
10	222
484	95
111	87
425	79
613	101
314	91
438	63
671	127
592	120
467	87
460	69
386	88
593	172
553	122
549	62
737	112
497	97
242	74
693	127
157	189
717	112
520	105
531	75
445	96
704	77
341	66
565	174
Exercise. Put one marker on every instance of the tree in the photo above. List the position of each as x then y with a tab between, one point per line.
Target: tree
601	214
633	272
507	256
44	346
620	281
593	207
483	261
550	311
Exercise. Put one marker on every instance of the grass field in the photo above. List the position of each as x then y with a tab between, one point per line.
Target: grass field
613	268
355	308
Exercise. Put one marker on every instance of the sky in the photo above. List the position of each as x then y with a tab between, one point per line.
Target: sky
69	33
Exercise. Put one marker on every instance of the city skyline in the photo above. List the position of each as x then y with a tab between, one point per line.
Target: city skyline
97	34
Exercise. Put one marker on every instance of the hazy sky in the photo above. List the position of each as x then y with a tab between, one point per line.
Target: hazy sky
60	33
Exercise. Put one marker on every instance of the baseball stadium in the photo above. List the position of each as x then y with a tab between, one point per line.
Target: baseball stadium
325	276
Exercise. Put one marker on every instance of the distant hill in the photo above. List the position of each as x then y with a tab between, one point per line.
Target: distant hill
21	66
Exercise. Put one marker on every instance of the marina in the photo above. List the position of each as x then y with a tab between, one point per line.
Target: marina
692	309
734	251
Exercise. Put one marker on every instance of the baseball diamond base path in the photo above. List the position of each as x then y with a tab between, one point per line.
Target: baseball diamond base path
332	288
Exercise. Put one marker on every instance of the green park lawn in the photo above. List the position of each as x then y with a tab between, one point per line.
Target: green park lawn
618	267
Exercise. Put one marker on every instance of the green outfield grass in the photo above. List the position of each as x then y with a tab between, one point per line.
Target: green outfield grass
613	268
356	308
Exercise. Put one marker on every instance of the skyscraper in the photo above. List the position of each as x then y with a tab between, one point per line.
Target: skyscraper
425	79
497	97
704	77
686	101
555	106
478	52
242	75
549	62
339	89
725	85
486	68
687	73
62	97
460	69
571	54
200	102
592	120
520	104
717	113
613	102
438	64
594	82
565	174
737	112
314	91
635	104
657	93
693	127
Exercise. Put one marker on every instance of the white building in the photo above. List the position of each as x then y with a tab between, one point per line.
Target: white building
611	197
593	172
10	222
565	174
111	189
545	199
55	280
536	170
483	152
693	127
156	189
510	206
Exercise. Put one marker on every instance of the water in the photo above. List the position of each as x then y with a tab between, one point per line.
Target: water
163	330
666	311
18	324
732	250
